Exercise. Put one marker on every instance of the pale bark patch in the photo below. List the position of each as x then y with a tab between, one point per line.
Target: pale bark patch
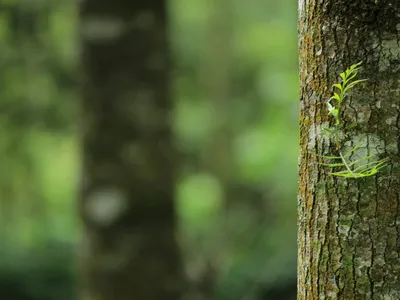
105	206
134	153
301	6
389	49
98	29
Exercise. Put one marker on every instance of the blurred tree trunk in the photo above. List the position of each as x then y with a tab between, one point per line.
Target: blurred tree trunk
129	248
349	229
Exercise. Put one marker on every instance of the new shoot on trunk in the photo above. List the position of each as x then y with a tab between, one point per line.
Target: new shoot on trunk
366	165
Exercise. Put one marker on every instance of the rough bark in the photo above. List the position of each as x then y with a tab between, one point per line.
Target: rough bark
349	229
129	249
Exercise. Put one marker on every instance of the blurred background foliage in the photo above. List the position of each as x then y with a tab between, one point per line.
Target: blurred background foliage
235	88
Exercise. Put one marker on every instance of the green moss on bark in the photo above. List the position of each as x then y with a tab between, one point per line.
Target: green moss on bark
356	222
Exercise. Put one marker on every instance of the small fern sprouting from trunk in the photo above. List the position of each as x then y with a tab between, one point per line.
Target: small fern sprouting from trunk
365	166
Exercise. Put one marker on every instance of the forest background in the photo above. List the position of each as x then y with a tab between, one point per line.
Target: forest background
235	88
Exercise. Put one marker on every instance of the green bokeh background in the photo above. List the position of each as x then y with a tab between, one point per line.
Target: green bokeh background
235	85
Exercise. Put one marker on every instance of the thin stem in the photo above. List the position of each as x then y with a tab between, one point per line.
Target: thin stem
346	165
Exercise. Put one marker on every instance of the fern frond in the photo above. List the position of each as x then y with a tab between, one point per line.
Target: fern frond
361	167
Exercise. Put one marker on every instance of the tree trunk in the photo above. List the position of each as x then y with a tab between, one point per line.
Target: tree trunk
349	229
129	249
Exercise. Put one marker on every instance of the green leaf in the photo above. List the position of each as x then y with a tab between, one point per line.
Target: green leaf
334	165
329	157
351	85
352	76
356	65
335	96
335	113
338	85
355	148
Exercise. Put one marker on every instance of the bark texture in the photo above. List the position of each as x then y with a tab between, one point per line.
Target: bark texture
129	249
349	229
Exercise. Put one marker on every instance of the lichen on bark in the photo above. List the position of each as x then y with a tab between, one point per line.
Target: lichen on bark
349	229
